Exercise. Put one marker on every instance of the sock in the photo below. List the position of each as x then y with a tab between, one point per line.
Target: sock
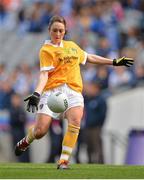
69	141
30	136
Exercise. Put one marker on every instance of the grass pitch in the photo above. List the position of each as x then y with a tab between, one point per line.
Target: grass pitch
76	171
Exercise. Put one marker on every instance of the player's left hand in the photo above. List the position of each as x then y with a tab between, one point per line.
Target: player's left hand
124	61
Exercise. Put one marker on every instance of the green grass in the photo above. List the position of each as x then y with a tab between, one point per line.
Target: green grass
76	171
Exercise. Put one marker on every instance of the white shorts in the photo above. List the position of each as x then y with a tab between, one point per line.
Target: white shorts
74	99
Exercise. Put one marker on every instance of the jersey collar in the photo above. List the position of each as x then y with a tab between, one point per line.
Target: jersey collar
50	43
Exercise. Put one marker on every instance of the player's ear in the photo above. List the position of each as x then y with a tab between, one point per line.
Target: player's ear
48	30
66	31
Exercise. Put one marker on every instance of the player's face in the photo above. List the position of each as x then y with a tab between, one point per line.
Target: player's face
57	32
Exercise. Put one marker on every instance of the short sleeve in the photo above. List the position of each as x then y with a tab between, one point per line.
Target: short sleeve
83	55
46	61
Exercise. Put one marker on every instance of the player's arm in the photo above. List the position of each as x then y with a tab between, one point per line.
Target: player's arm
34	99
43	78
46	64
124	61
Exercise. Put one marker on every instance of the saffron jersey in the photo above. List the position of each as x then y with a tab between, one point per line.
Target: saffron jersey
63	64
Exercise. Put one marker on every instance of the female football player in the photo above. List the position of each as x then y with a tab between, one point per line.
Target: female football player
60	71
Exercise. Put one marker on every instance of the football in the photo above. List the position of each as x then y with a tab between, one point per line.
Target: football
58	102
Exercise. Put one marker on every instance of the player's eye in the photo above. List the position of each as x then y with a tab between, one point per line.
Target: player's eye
58	30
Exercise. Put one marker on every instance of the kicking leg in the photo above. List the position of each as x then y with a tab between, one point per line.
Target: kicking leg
38	131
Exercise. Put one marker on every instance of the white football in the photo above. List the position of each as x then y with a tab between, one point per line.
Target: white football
58	102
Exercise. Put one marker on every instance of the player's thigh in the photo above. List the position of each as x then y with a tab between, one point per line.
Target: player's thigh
43	122
74	115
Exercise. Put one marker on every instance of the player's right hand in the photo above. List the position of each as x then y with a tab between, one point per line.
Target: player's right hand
33	101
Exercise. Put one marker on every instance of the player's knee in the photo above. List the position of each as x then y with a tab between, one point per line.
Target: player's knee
40	132
75	122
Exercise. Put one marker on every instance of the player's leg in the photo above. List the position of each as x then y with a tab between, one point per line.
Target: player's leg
74	116
38	131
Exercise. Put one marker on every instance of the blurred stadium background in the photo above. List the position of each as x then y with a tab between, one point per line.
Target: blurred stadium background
110	28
